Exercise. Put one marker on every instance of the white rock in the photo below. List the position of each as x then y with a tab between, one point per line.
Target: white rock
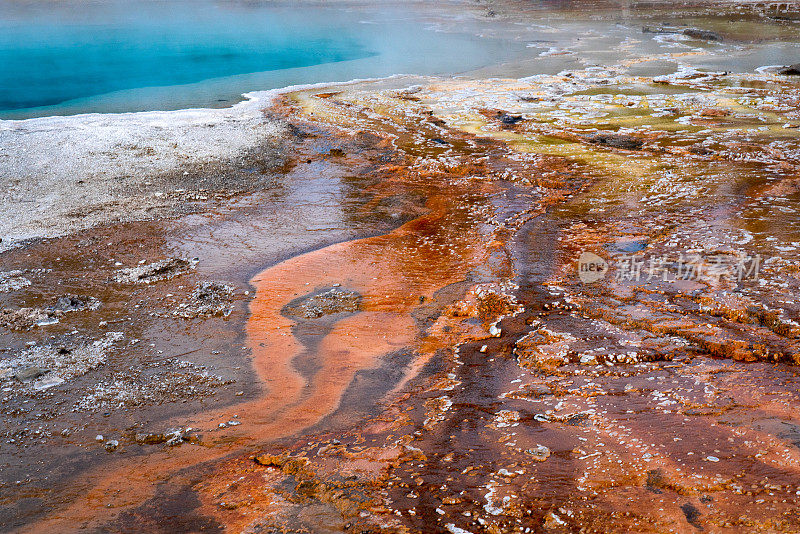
540	453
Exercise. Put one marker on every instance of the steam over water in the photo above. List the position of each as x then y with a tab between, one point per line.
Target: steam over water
77	57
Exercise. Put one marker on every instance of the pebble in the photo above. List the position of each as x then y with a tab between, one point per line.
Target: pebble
174	438
143	438
29	373
540	453
111	445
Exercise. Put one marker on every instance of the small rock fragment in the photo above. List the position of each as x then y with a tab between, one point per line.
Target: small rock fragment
25	318
553	522
540	453
48	382
157	271
692	515
69	303
704	35
624	142
174	438
272	460
506	118
150	438
29	373
12	281
714	112
334	300
209	299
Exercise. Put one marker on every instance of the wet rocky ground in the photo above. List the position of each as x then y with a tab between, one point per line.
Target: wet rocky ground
114	338
659	398
395	334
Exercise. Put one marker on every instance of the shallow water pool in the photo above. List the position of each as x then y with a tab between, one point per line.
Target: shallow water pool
76	57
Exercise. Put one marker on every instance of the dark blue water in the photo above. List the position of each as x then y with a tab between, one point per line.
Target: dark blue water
73	57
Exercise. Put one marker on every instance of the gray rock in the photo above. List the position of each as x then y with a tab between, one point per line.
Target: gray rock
12	281
156	271
704	35
791	70
61	363
507	118
625	142
335	300
69	303
540	453
26	318
29	373
208	299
